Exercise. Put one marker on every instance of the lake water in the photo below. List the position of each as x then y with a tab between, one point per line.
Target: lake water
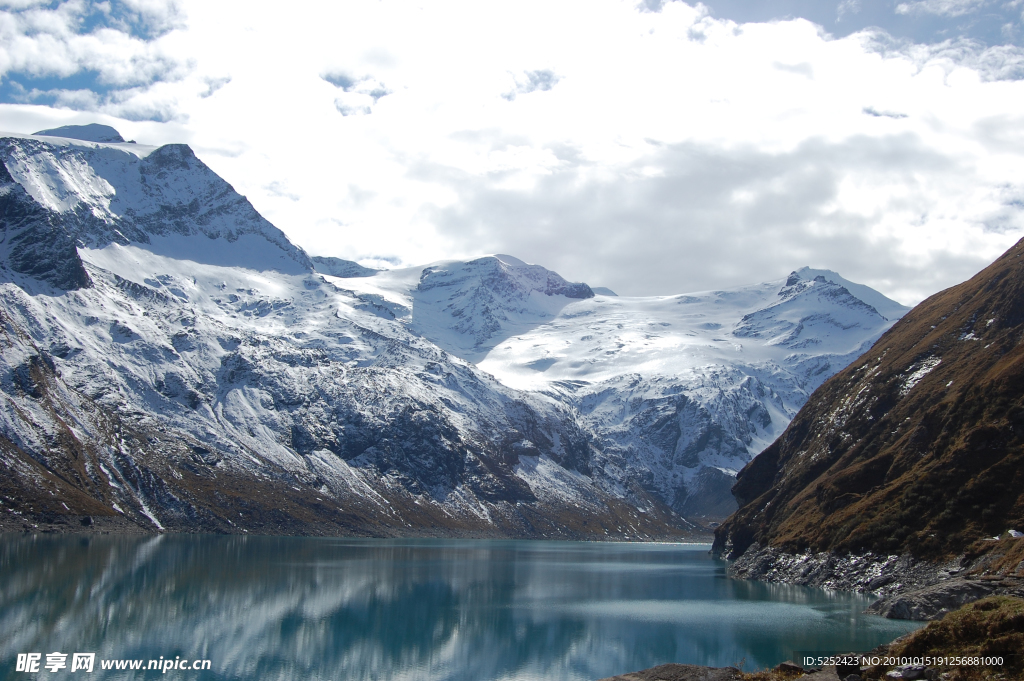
300	608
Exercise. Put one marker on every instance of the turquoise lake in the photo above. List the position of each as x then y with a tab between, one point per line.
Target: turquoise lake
466	610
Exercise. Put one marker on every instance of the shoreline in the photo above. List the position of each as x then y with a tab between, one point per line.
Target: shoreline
907	588
120	526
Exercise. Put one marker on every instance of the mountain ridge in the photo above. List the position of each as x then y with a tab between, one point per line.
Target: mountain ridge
209	377
682	390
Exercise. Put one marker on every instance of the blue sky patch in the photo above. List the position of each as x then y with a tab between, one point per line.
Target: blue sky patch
81	79
990	22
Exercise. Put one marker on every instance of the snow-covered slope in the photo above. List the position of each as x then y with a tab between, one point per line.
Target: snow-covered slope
679	391
170	358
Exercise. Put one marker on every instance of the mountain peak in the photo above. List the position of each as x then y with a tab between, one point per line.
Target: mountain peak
887	307
504	275
162	199
488	296
93	132
510	260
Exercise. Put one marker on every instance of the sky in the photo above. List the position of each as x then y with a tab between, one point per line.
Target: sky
654	147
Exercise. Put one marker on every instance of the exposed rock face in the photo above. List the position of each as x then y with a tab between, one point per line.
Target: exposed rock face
874	573
36	242
917	447
689	672
991	629
909	588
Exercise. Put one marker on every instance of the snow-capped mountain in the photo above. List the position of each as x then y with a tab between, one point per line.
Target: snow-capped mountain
679	392
171	359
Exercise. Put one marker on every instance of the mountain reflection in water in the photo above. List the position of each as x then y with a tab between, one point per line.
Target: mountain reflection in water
289	607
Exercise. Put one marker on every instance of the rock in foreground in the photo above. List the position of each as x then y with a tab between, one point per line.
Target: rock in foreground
986	636
681	672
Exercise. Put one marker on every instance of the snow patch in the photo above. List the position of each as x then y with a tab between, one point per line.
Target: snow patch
918	371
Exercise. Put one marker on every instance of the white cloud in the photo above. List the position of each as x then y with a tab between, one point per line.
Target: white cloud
872	111
649	151
997	62
358	94
532	81
156	16
731	215
22	4
40	41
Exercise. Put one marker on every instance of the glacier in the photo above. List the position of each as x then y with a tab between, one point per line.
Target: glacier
172	362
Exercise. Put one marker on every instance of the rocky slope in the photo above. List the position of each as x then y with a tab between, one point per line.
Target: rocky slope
915	449
171	361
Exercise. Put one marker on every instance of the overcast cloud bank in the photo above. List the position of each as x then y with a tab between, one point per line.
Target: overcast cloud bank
653	148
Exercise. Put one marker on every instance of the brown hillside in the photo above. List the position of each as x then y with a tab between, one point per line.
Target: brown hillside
917	446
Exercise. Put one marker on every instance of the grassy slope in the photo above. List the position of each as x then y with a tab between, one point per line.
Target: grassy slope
991	627
870	464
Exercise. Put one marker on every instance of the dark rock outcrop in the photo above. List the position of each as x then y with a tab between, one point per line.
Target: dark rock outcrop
867	573
37	242
933	601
